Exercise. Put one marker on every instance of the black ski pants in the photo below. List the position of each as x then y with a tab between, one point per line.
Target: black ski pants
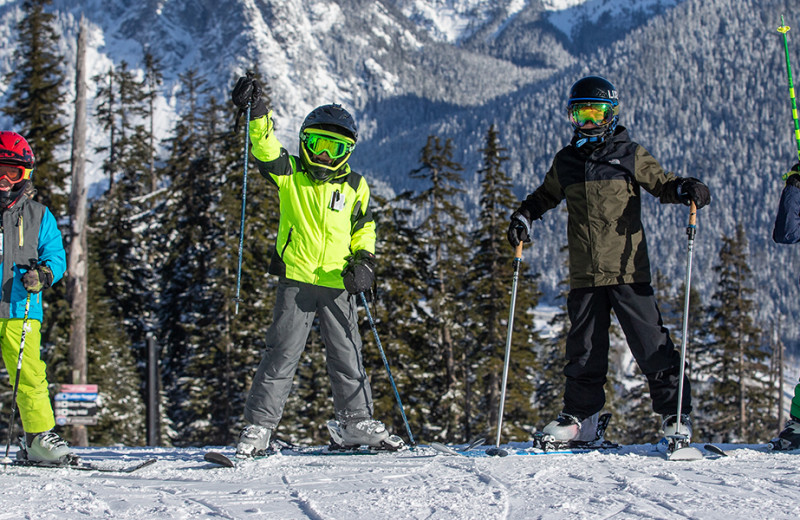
588	344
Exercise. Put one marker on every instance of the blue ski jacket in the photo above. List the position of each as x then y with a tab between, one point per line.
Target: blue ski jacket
30	236
787	222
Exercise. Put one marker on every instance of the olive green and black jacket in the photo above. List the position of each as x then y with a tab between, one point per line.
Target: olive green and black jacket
602	188
321	223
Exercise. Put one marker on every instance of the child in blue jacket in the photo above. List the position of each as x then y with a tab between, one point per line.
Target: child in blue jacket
32	258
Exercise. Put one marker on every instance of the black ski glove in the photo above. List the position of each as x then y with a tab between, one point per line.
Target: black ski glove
37	278
359	273
520	228
793	176
691	189
248	89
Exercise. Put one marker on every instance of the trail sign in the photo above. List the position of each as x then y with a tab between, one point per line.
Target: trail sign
76	404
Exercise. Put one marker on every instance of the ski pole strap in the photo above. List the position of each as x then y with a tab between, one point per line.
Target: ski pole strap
783	29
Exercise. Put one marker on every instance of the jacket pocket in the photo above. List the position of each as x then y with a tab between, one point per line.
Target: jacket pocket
288	241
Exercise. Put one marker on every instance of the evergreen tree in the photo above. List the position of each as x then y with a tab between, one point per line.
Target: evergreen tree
123	287
35	103
400	316
208	347
442	234
488	289
150	88
736	401
111	365
35	100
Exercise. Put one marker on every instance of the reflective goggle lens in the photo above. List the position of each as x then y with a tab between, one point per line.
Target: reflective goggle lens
597	113
11	172
335	148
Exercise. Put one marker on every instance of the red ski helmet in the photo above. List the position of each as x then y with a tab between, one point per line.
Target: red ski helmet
15	151
16	167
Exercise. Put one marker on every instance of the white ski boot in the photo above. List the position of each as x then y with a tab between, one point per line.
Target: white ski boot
47	447
567	431
789	438
672	427
253	442
564	428
362	432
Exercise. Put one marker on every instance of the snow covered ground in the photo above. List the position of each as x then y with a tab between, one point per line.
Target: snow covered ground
636	482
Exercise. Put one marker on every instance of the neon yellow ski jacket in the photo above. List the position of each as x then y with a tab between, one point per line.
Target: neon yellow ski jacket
321	223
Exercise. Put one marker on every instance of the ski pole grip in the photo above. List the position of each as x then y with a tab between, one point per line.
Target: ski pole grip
518	251
692	214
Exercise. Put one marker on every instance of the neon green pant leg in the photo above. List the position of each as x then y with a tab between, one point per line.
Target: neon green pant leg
33	398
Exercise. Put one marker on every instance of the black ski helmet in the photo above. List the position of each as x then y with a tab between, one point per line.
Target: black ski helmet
594	89
331	118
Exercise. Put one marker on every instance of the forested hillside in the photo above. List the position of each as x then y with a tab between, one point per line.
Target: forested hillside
454	130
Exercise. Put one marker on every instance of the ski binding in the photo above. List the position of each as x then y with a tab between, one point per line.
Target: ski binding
546	442
678	448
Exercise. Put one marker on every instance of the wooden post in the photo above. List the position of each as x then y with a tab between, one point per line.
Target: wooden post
77	281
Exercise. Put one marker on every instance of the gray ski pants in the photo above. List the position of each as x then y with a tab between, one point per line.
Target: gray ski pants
295	307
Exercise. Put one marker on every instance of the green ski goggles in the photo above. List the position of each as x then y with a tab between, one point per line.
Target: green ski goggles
319	141
598	113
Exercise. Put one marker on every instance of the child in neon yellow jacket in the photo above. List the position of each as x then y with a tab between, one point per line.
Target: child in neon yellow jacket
324	256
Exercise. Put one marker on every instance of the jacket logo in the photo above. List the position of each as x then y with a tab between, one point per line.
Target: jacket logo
337	201
614	161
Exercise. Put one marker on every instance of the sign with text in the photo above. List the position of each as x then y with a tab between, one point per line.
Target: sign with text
76	404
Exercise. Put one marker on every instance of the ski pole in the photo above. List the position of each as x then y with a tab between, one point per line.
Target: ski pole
388	371
783	29
244	202
5	459
517	261
690	231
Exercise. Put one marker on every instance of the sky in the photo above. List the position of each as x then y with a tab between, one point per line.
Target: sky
635	482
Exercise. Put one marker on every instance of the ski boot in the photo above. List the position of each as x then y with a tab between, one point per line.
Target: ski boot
253	442
362	432
568	432
677	438
46	448
789	438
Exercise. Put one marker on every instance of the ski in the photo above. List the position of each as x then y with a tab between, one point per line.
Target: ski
332	449
215	457
715	449
762	448
85	466
450	450
288	448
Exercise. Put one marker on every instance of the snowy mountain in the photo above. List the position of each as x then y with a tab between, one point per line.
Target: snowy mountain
702	85
633	484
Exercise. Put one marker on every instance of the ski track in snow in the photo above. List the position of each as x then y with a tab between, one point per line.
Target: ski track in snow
633	483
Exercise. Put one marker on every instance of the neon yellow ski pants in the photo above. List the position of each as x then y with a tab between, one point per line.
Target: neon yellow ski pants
33	398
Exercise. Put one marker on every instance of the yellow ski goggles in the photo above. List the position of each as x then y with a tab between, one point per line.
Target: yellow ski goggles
600	114
319	141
